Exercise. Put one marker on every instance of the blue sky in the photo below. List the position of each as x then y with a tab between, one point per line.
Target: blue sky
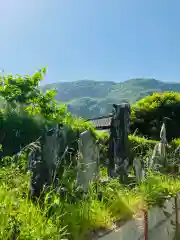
91	39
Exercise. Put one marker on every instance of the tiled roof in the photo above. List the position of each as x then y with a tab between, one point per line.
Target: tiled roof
101	122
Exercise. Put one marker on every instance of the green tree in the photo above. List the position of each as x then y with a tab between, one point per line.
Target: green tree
25	91
21	89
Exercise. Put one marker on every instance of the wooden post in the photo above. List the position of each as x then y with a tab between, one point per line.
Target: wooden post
177	217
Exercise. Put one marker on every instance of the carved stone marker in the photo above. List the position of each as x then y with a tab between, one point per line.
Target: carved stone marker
88	162
159	153
38	170
139	170
163	144
118	144
43	161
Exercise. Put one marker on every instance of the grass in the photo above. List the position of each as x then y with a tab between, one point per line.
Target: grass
74	217
21	219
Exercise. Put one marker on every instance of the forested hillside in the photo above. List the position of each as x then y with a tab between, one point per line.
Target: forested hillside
88	98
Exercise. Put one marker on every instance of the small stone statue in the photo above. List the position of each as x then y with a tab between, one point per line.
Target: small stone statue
159	152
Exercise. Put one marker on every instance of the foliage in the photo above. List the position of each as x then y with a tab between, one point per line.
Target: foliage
20	218
18	129
24	91
175	143
70	214
148	114
63	219
28	110
103	141
141	146
20	89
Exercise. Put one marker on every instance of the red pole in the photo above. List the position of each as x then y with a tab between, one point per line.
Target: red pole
177	219
145	224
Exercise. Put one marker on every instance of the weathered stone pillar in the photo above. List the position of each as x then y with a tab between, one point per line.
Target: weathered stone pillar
139	169
88	162
43	160
118	144
158	159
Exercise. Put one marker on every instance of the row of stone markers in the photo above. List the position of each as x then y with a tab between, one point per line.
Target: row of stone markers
47	160
55	151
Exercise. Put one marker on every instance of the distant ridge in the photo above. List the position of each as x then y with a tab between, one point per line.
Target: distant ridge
90	98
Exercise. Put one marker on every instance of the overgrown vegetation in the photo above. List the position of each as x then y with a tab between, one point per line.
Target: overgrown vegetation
66	219
72	215
27	109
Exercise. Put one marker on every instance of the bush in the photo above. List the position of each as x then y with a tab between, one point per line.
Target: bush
175	143
148	113
140	146
18	129
103	139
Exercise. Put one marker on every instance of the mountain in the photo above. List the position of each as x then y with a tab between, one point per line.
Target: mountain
89	98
